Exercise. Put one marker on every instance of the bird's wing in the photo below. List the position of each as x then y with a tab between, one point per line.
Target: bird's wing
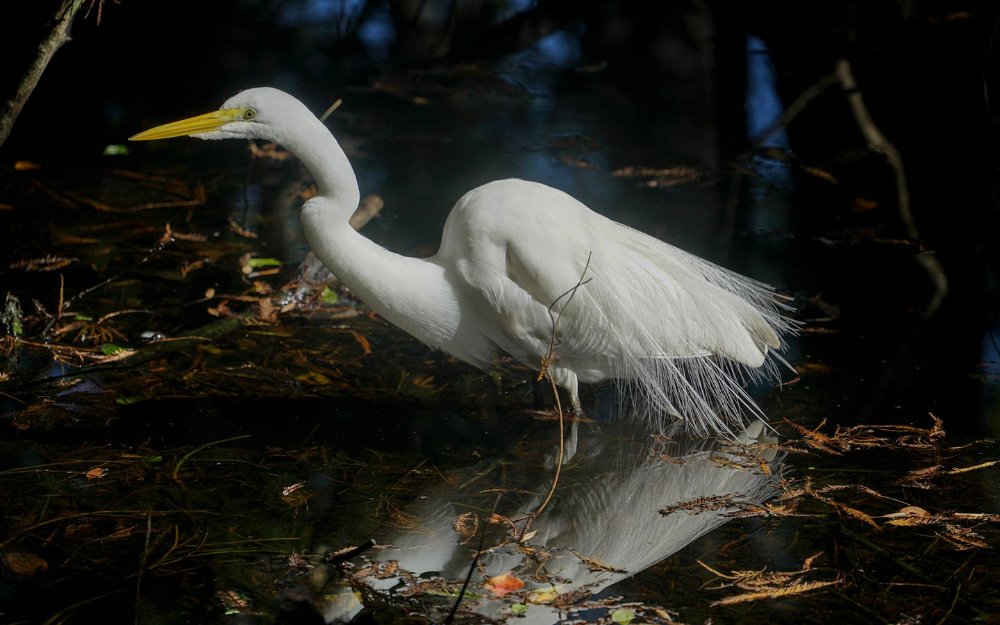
681	330
620	293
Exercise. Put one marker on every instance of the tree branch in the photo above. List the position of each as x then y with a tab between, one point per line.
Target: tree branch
46	50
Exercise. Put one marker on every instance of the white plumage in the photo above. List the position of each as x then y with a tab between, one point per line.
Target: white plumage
680	334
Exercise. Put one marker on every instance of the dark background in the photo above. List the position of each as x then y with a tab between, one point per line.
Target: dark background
655	84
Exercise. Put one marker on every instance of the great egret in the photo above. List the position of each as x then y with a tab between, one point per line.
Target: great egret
525	269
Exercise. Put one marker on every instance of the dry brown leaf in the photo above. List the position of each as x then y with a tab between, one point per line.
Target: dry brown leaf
241	231
983	465
23	563
962	538
45	263
467	524
911	521
96	473
188	267
808	562
701	504
775	593
269	150
918	477
266	310
857	514
819	173
863	204
975	516
596	564
362	341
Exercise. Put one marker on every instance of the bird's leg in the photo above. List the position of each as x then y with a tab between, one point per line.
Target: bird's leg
574	400
566	379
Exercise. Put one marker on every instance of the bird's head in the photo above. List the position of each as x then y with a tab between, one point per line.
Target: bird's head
258	113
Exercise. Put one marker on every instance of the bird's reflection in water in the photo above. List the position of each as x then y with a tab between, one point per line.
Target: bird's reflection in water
604	523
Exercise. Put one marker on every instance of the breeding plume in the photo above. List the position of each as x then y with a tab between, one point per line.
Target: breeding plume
525	269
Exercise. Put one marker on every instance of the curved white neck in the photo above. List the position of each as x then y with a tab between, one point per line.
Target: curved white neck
412	293
319	151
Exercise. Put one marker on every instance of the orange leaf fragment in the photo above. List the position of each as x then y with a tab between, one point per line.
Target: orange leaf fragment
360	338
503	584
96	473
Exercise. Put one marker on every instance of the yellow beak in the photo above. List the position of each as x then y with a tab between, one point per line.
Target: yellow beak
190	126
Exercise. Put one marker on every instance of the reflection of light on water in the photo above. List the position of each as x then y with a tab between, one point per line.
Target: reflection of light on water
606	508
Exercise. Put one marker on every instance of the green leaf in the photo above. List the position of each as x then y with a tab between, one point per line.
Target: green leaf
110	349
329	296
519	609
257	263
623	615
10	316
82	317
115	149
128	399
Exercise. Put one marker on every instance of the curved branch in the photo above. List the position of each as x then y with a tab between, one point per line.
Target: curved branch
46	50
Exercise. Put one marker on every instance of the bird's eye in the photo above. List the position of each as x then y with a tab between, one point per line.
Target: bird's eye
249	114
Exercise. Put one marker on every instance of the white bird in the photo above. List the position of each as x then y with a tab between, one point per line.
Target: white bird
527	270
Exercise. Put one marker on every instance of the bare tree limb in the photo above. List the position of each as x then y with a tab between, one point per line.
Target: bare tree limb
46	50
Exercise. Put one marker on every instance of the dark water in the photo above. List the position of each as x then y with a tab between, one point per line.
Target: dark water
208	477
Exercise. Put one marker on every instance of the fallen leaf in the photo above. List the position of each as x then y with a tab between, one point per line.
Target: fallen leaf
547	595
362	341
313	378
96	473
45	263
977	467
797	589
500	585
822	174
24	563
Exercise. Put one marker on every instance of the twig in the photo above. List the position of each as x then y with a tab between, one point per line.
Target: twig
177	467
370	206
951	608
555	393
329	111
550	352
472	565
62	298
142	565
811	93
350	553
46	50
